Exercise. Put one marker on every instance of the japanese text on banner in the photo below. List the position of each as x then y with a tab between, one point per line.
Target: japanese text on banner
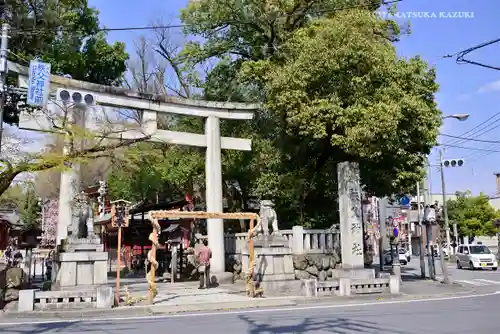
39	83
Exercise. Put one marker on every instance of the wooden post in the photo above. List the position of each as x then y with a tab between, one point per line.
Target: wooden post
153	237
154	216
251	250
119	219
118	265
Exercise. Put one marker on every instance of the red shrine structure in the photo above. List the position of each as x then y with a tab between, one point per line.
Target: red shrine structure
135	237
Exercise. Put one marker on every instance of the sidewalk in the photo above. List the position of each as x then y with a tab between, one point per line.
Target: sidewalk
183	298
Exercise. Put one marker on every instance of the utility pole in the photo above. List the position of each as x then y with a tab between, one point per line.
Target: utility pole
4	44
445	204
455	239
444	265
428	222
421	229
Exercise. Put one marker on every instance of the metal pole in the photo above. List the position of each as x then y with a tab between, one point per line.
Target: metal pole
455	239
422	259
118	266
444	265
43	214
445	205
4	44
382	210
430	258
428	224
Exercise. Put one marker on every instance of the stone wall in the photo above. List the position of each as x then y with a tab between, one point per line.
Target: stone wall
12	280
320	266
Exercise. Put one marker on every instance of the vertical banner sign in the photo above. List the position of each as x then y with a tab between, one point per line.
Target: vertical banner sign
38	83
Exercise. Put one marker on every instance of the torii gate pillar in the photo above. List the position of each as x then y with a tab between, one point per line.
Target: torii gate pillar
213	174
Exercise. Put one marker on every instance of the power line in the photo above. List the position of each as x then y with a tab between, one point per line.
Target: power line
479	155
471	148
177	26
471	139
460	57
477	129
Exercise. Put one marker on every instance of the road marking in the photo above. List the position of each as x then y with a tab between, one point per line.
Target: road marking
487	281
251	311
471	282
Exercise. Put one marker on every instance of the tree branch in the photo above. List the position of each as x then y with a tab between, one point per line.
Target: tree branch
9	174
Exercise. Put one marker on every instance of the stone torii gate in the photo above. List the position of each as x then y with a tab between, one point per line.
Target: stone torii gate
151	105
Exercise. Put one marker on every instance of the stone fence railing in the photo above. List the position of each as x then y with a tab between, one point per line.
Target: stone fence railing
300	240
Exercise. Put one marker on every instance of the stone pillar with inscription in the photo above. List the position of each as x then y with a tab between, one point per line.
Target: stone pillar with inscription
350	209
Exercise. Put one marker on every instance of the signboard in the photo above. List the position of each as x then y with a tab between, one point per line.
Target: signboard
429	214
119	215
404	201
38	83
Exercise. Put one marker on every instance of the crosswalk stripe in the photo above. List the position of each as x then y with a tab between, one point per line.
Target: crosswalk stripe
471	282
487	281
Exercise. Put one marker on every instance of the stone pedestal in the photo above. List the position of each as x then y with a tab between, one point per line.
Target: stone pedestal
81	263
273	263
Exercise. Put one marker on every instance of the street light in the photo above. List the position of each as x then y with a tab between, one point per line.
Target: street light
460	117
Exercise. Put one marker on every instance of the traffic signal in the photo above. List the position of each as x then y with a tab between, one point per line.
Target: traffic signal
73	96
453	163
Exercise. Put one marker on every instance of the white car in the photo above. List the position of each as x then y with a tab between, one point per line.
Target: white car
406	253
388	257
476	257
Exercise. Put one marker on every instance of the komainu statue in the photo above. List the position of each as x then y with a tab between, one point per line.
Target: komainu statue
82	220
268	217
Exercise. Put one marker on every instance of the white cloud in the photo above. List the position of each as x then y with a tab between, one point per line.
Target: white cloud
491	87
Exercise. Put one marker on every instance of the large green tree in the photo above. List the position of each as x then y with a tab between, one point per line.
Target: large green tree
67	34
473	214
153	172
334	89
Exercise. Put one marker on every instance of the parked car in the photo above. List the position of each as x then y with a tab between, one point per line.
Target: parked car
389	256
406	253
476	257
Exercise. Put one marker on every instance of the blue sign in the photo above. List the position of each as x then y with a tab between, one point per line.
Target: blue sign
38	83
404	200
396	232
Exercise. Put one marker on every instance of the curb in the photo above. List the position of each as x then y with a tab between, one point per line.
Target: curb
157	310
223	306
147	310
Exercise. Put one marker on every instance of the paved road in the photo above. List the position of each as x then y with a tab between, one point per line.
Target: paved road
458	315
481	280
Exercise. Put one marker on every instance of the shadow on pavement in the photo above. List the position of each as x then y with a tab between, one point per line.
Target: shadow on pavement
333	325
68	327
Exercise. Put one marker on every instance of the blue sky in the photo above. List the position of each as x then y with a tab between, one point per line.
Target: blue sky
464	88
